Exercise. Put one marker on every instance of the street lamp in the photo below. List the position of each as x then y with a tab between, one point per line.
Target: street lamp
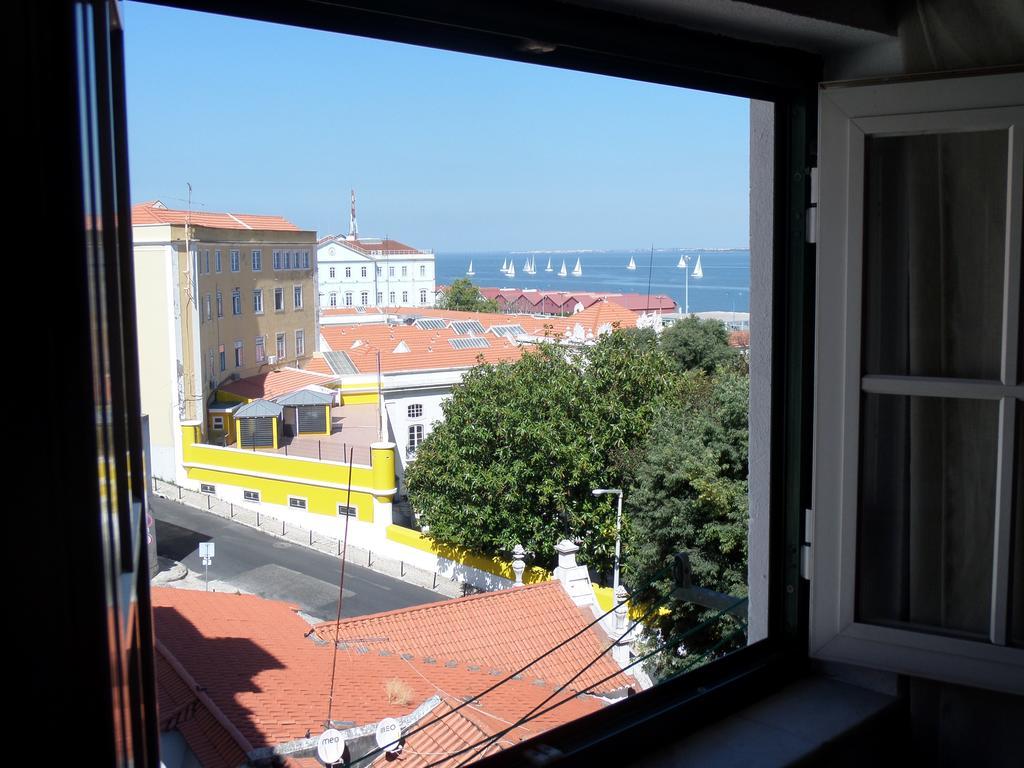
618	529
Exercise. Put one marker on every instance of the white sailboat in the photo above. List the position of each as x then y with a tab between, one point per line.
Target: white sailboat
548	267
632	264
577	271
504	265
682	262
563	272
527	268
470	272
697	271
511	270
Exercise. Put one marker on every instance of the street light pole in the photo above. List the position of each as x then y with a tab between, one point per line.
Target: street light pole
618	530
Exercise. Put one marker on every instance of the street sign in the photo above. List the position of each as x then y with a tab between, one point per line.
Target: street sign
206	549
330	747
389	734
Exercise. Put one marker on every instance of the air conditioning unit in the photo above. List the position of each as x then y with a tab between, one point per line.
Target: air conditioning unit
272	359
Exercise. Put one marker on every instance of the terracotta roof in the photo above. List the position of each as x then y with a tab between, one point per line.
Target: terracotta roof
254	663
369	246
637	302
317	364
739	339
342	311
501	630
266	386
153	212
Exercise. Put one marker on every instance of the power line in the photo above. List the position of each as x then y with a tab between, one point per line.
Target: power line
341	590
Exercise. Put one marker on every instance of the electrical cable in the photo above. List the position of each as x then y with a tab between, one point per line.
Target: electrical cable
642	591
341	590
671	641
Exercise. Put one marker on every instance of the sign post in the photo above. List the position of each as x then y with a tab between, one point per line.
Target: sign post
206	551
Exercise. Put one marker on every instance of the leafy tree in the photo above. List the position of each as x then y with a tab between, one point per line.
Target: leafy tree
691	493
522	445
463	295
693	343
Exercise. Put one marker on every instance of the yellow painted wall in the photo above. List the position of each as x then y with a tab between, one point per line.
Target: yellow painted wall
358	398
230	397
293	476
229	424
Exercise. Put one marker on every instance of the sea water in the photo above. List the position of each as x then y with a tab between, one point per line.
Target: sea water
725	285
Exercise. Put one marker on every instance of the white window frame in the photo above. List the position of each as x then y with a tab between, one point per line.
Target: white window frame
209	310
330	273
414	411
348	298
236	301
362	271
207	488
261	349
333	298
300	342
217	259
297	296
239	354
257	260
380	298
282	346
414	443
348	272
217	422
423	296
236	261
346	511
279	299
405	270
250	495
405	297
423	270
391	298
304	505
257	301
364	298
848	116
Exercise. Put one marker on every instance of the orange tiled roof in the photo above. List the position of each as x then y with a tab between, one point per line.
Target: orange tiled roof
153	212
275	383
317	364
501	630
369	246
252	659
341	311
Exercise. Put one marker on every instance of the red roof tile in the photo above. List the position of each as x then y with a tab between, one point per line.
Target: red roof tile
501	630
153	212
369	246
275	383
254	662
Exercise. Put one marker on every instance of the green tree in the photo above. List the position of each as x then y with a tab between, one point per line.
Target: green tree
464	296
522	445
691	493
693	343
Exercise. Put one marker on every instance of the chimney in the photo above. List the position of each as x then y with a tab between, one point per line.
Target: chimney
575	578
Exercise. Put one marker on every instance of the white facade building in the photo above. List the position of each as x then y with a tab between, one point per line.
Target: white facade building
371	272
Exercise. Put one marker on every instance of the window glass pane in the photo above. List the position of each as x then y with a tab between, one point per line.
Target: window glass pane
1017	562
926	513
934	248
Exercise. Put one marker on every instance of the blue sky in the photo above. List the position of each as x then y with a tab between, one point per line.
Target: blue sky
444	150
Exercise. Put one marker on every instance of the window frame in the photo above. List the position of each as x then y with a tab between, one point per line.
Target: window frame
261	349
235	258
257	301
304	506
300	342
297	297
251	496
256	260
849	115
279	299
349	511
236	301
409	411
208	488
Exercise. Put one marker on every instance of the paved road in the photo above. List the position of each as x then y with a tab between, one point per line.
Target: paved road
263	565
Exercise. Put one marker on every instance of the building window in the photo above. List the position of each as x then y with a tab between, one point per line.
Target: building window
257	260
405	271
207	488
391	271
282	346
297	296
348	271
348	298
239	357
423	270
380	297
344	511
296	502
217	260
236	302
235	261
362	271
223	359
250	495
261	349
300	343
279	299
218	422
276	258
257	301
364	298
302	260
415	411
333	299
415	438
220	303
206	262
209	310
331	272
423	296
405	297
391	298
380	271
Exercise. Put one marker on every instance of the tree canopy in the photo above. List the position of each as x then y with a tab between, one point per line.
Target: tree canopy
463	295
693	343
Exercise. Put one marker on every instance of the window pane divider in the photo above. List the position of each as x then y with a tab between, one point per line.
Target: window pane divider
1003	527
928	386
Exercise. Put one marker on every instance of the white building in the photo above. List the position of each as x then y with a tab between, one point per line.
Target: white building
371	272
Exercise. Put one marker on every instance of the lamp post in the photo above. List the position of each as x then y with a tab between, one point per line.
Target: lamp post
618	529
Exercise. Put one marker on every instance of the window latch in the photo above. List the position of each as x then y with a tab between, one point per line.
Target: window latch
805	548
811	236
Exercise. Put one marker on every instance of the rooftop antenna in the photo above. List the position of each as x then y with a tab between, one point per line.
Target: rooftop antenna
353	227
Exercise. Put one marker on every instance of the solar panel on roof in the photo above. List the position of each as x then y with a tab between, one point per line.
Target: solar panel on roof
466	326
508	330
429	324
469	342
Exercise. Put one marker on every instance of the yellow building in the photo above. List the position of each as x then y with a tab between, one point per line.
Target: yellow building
220	296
